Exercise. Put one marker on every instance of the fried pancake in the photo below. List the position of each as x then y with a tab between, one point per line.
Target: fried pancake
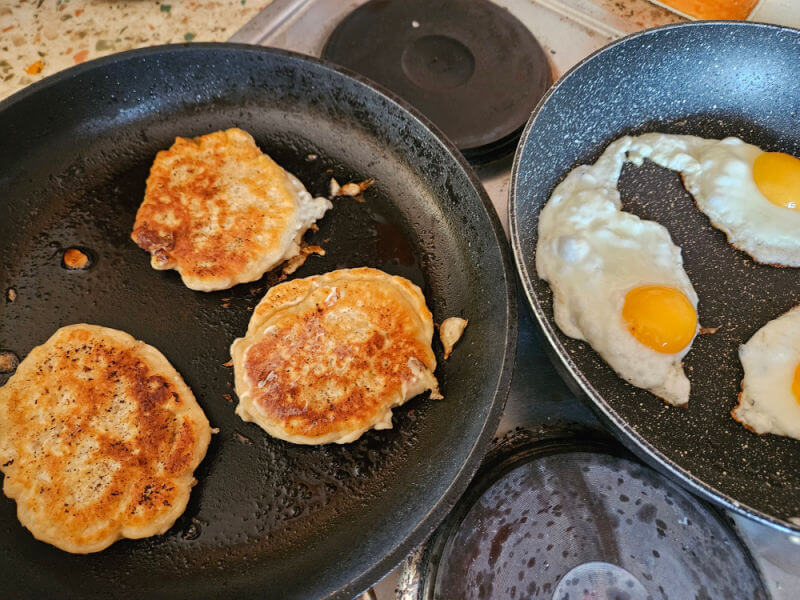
327	357
221	212
99	438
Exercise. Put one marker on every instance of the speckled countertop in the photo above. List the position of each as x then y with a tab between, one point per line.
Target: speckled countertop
40	37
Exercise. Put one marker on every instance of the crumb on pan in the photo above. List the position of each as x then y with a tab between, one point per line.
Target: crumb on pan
8	361
75	259
351	189
242	438
450	331
294	263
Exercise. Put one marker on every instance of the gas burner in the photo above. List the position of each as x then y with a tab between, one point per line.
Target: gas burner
563	519
468	65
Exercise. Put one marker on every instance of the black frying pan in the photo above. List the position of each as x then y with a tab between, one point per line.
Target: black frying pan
712	79
268	519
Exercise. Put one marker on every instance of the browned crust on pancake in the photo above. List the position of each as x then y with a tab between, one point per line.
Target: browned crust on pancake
99	439
327	357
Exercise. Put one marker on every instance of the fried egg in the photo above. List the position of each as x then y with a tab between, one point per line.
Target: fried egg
618	281
770	397
751	195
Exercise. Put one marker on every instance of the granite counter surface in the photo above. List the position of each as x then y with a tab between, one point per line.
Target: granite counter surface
41	37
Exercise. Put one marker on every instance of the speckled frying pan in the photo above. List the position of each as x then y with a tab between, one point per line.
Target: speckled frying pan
712	79
267	519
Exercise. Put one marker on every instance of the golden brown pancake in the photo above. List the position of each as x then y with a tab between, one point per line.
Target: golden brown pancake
99	438
327	357
221	212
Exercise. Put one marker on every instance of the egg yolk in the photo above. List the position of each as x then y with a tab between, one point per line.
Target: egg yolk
661	318
796	384
777	176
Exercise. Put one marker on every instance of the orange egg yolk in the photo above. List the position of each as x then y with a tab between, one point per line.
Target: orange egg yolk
777	176
796	384
661	318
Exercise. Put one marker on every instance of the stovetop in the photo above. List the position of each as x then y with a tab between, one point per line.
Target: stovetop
568	30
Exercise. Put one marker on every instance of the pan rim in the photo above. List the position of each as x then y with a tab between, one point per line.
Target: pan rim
401	548
556	350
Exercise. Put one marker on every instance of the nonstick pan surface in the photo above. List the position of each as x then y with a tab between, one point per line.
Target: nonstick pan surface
712	79
267	519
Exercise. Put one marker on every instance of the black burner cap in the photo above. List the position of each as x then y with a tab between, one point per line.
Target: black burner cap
469	65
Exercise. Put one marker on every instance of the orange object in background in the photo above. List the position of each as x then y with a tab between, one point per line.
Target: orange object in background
713	9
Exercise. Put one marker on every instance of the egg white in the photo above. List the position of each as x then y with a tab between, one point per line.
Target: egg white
719	175
592	253
769	359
